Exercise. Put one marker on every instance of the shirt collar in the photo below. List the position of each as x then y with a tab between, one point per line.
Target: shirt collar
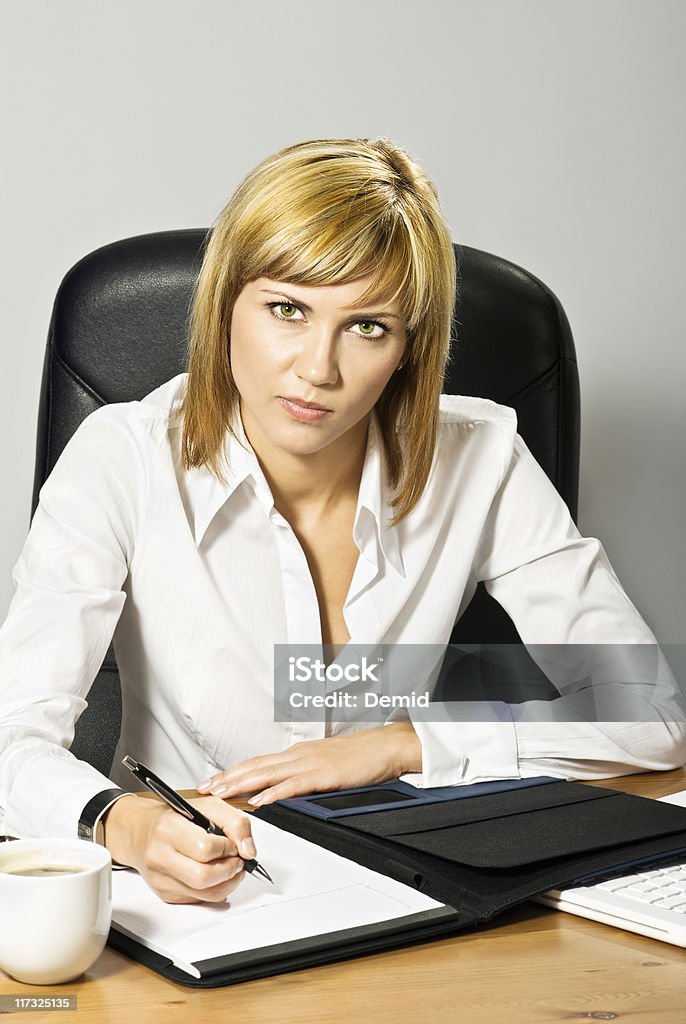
208	494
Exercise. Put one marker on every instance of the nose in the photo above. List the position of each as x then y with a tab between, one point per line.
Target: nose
317	358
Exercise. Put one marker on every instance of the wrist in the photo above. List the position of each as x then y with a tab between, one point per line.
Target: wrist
408	748
120	827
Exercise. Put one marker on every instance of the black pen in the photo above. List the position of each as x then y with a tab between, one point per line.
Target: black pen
177	803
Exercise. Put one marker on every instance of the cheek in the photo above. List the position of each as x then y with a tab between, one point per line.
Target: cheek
236	358
369	386
254	357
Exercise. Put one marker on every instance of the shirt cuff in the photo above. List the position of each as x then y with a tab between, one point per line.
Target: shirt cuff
49	794
91	824
457	753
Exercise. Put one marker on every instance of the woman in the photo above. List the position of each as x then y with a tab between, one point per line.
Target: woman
304	483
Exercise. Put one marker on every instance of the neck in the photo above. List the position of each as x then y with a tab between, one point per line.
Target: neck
313	485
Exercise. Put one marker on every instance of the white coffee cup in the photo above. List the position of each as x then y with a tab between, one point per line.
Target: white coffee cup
53	927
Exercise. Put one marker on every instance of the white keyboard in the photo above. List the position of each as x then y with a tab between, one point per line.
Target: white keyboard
651	902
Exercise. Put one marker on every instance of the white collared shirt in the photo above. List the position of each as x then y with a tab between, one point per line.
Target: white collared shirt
198	580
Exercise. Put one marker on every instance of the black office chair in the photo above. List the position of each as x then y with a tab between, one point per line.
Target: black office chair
118	330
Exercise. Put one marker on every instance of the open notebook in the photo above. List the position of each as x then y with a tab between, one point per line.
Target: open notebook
316	893
376	880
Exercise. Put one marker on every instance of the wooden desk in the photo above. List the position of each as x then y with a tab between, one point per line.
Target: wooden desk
531	965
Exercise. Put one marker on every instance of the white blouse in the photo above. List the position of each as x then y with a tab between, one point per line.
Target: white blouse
197	581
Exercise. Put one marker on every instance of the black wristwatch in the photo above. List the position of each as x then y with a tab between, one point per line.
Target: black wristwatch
91	826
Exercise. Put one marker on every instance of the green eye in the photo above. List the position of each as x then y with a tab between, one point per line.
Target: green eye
373	329
287	305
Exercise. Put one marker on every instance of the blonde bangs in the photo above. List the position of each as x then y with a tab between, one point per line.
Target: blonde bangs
304	243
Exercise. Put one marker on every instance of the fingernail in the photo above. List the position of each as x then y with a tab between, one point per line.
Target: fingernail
218	790
248	848
202	786
256	800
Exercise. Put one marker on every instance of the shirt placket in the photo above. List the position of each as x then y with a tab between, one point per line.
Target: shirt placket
360	614
303	622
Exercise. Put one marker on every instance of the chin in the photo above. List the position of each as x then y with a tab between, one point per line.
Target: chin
303	445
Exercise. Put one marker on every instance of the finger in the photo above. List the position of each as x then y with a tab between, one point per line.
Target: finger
251	764
211	880
234	823
168	870
220	778
299	785
193	842
235	780
237	825
257	778
185	881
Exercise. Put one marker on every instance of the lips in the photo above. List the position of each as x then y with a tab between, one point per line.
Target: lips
305	405
305	412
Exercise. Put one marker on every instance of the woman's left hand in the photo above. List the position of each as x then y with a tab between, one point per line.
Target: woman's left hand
362	758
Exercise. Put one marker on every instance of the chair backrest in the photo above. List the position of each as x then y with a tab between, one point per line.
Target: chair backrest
118	330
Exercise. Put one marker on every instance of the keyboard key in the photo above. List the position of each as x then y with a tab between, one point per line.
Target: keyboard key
671	902
642	887
672	890
639	894
611	884
647	898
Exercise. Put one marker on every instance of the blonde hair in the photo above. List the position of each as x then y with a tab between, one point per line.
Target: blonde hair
323	212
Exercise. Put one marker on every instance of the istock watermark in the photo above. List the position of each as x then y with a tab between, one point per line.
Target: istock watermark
304	670
358	683
480	682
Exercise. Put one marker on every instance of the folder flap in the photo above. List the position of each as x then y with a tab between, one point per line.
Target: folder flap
550	833
514	803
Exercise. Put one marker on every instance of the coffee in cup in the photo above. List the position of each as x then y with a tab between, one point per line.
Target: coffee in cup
56	899
41	870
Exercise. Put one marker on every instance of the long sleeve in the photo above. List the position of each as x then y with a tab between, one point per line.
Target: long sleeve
67	600
619	710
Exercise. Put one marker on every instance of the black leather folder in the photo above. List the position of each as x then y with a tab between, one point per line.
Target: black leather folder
478	856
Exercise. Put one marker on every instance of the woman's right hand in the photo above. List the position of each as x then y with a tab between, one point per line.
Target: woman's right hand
180	862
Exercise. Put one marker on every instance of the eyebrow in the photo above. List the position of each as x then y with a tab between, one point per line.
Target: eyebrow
308	309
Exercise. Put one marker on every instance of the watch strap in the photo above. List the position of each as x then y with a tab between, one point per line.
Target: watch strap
90	826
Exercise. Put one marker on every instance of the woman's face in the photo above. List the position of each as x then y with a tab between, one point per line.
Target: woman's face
296	346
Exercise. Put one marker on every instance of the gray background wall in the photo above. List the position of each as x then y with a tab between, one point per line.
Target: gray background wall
553	130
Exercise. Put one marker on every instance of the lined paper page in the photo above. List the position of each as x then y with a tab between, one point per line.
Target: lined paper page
315	892
675	798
